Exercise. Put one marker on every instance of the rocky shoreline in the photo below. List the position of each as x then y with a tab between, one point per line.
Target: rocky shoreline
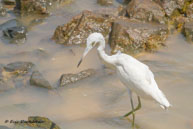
135	26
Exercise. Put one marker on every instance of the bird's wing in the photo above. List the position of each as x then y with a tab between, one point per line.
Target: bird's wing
149	75
138	67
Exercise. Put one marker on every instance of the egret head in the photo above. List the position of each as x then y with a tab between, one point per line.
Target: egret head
91	42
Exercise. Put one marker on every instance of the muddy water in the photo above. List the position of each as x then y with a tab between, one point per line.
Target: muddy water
99	101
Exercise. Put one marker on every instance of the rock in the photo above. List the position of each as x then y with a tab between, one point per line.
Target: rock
146	10
40	52
8	2
37	79
4	127
9	24
19	67
189	10
111	12
66	79
37	122
132	36
14	75
3	11
173	7
78	29
188	31
31	6
123	1
28	7
169	6
105	2
18	74
177	24
16	34
36	22
4	84
180	15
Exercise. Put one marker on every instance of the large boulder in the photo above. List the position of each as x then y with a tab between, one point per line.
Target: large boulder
188	31
36	122
146	10
66	79
78	29
132	36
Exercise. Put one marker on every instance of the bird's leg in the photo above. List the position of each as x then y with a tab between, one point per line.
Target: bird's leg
137	108
132	106
133	114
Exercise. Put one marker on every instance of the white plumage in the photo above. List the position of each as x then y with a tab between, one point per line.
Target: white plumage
136	76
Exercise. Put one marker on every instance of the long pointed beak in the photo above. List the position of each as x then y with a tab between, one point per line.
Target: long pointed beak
84	54
79	63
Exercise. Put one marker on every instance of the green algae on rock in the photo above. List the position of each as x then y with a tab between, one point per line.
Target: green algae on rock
36	122
77	30
132	36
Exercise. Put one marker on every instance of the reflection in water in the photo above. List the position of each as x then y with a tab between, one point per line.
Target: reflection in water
99	101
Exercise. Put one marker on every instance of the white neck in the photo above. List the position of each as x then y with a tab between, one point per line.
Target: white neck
101	50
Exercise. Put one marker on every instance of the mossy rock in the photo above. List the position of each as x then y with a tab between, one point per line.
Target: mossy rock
36	122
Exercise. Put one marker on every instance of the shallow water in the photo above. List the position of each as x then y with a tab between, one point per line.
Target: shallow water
96	102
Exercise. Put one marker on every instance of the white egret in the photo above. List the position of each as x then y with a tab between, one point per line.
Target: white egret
136	76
